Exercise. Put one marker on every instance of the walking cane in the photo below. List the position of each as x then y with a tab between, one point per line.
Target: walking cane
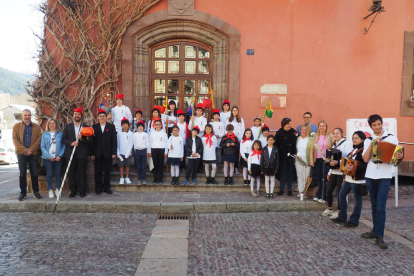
67	170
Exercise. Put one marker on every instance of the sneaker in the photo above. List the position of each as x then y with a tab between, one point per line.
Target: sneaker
380	242
22	196
338	220
334	215
253	194
368	235
194	181
144	182
327	213
57	191
139	182
121	180
321	201
350	225
51	195
127	180
186	182
236	171
298	195
258	193
316	199
37	195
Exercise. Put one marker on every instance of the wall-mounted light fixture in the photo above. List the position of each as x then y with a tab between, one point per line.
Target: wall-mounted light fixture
376	9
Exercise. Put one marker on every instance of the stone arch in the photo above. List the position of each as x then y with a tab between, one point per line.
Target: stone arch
160	26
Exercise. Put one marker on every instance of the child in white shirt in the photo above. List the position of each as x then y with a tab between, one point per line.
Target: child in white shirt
219	131
159	150
209	154
245	148
253	163
256	127
175	154
120	111
124	151
142	150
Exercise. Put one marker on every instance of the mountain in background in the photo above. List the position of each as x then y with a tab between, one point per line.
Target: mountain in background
13	83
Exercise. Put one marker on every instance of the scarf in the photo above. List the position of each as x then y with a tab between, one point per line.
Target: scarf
247	139
209	141
232	137
257	152
153	121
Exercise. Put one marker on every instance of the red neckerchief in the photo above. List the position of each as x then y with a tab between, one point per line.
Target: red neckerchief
257	152
209	141
232	136
153	121
247	139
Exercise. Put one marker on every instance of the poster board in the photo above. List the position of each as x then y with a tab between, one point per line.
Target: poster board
352	125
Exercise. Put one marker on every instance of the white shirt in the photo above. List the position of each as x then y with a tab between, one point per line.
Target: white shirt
118	113
209	153
263	140
253	160
255	132
301	147
164	122
52	149
219	130
141	141
77	128
159	140
125	143
183	130
346	147
224	116
238	127
245	147
201	122
383	170
194	149
151	127
172	118
270	150
103	128
177	149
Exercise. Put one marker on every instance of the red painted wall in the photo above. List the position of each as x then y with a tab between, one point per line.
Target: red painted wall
319	49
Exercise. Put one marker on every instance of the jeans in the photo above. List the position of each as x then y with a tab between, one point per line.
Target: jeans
32	160
322	173
335	181
141	163
345	190
57	167
106	164
192	166
378	192
286	173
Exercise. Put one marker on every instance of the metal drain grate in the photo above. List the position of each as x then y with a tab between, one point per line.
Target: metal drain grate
173	216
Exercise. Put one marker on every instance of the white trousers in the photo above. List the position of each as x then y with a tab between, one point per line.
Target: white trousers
302	173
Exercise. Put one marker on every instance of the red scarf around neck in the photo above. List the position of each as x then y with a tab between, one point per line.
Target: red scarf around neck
232	137
257	152
209	141
247	139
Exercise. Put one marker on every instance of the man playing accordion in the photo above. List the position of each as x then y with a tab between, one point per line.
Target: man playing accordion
378	179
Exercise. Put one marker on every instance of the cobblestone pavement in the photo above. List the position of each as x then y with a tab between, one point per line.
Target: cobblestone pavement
280	244
72	244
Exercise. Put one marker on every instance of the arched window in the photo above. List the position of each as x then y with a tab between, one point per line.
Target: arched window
181	70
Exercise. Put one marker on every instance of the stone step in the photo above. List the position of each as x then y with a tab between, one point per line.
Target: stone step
201	177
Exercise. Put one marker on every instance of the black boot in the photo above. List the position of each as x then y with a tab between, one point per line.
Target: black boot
173	180
208	180
246	182
213	181
177	182
231	181
380	242
226	180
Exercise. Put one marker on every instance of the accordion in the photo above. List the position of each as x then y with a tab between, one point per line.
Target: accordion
383	152
344	162
334	155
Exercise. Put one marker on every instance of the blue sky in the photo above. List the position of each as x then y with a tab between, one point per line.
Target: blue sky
17	43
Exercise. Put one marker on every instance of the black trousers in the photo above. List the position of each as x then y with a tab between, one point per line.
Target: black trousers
105	164
158	160
76	174
32	160
335	181
192	166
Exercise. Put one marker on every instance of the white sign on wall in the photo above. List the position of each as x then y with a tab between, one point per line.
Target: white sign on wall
352	125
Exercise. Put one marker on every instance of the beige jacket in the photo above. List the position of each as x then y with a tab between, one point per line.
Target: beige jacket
18	142
329	142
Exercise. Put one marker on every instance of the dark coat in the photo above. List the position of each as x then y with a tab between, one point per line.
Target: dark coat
68	137
286	142
232	150
188	148
269	165
104	143
362	166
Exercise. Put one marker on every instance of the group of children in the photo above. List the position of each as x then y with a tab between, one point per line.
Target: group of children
197	142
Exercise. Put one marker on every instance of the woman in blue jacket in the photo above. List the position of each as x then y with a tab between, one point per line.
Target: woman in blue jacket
52	152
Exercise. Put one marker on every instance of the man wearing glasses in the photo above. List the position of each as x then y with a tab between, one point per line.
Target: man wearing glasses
307	117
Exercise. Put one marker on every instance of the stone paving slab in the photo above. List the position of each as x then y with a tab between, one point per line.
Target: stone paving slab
166	249
162	267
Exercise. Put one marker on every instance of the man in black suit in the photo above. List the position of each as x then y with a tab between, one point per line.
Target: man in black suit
104	150
72	137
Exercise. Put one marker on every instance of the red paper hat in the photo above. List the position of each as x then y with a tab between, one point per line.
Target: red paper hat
157	107
162	109
226	102
216	111
200	105
79	110
141	123
265	127
100	110
124	120
120	96
180	112
196	128
138	110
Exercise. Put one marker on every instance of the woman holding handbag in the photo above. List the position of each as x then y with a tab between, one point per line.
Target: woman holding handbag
52	152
